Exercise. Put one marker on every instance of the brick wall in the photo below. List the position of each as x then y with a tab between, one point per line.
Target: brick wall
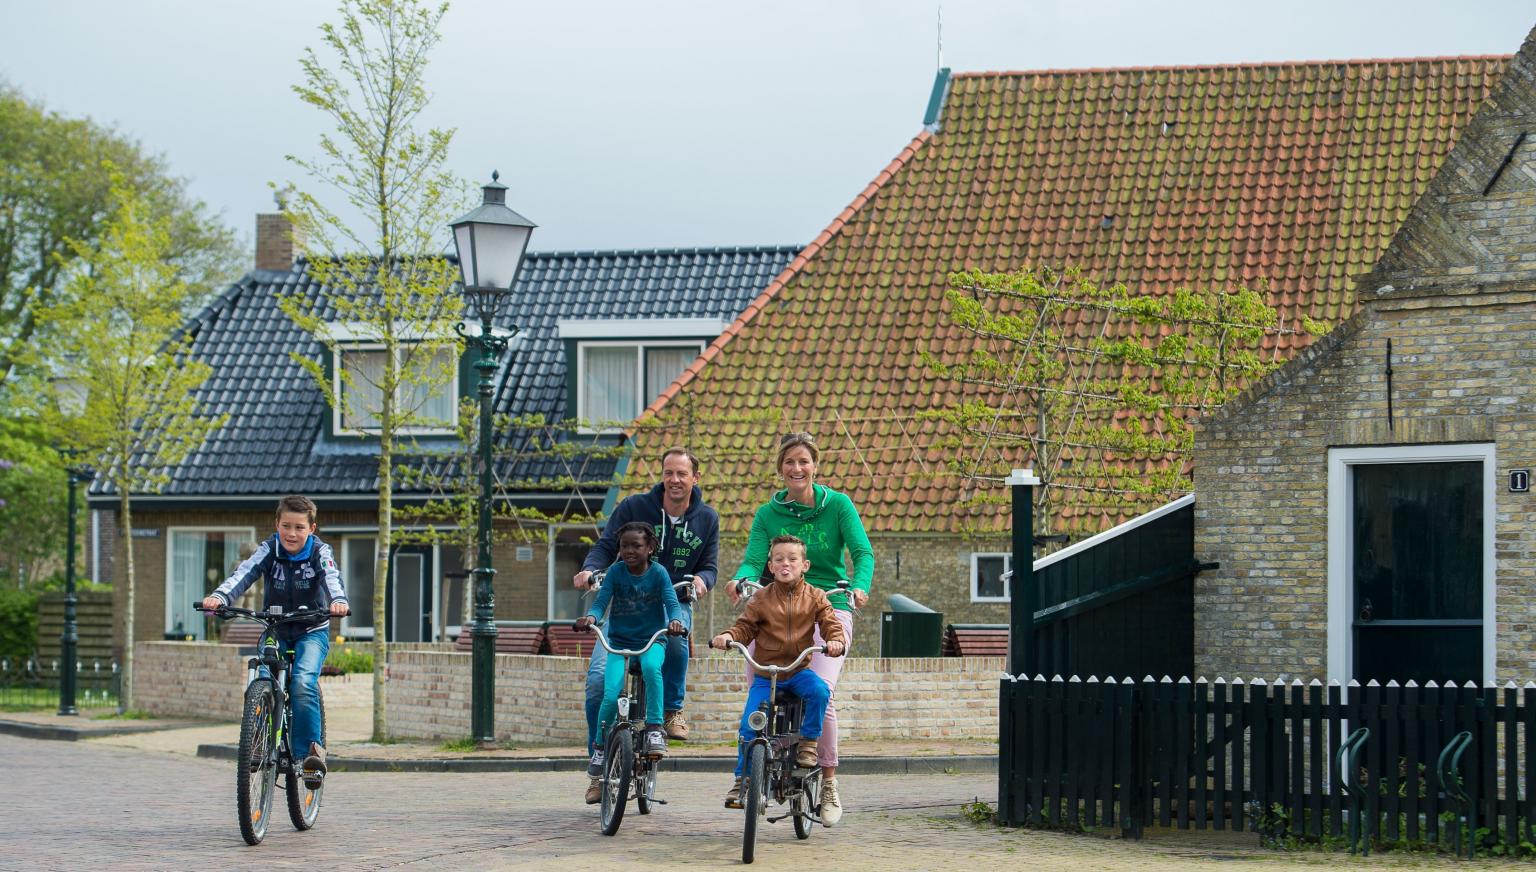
189	679
539	699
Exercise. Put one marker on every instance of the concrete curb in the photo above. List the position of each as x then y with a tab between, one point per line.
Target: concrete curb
65	733
721	763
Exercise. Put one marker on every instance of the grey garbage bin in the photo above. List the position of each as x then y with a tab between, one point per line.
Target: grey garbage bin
910	629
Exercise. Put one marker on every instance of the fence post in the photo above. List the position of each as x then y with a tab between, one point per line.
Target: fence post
1024	597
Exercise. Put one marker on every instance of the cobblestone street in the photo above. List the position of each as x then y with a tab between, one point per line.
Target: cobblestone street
86	805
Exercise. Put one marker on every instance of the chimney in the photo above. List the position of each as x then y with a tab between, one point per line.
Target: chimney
275	247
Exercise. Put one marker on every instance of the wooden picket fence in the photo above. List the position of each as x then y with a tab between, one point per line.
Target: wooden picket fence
1126	754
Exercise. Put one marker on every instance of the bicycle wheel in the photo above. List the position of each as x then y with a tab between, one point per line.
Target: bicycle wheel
303	803
754	798
807	803
256	762
617	770
645	788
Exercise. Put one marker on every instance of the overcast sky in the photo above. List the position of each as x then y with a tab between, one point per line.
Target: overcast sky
622	124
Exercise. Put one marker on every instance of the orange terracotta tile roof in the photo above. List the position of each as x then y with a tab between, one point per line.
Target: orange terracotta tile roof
1292	177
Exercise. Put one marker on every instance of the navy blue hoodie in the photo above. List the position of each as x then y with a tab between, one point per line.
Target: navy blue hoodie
308	578
689	547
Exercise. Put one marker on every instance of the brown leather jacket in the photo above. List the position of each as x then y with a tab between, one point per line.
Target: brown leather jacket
780	618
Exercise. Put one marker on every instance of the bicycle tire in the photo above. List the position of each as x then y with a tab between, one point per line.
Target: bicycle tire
617	771
645	788
754	798
256	761
806	804
303	803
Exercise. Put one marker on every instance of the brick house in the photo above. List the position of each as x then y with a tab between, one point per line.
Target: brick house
1290	176
600	334
1366	502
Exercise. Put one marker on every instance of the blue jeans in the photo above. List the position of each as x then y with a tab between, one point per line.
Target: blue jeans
674	676
807	685
613	685
309	653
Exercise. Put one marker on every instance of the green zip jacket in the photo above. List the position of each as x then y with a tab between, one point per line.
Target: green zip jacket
827	528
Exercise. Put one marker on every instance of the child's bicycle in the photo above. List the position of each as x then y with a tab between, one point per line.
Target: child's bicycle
625	762
265	731
769	771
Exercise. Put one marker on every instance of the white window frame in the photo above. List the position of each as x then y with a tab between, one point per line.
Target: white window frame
640	346
346	628
170	558
1341	542
339	353
976	558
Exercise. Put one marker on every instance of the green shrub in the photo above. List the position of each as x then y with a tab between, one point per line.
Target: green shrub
18	624
349	659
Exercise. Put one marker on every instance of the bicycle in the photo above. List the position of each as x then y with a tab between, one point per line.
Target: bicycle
625	761
265	736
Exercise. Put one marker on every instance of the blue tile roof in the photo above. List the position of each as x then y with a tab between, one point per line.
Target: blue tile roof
274	441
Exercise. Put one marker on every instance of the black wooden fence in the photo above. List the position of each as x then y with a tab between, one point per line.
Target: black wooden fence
1130	754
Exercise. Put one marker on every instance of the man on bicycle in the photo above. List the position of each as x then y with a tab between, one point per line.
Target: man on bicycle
688	533
301	573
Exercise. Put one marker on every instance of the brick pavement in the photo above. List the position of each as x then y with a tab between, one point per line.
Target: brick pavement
92	805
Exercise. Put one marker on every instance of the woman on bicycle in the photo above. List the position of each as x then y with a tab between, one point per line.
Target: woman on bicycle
828	523
781	620
639	598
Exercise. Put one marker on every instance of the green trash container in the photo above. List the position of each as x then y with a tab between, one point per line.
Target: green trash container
910	629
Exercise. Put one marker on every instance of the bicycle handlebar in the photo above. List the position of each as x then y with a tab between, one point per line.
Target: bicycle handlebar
602	639
776	670
269	618
595	583
745	588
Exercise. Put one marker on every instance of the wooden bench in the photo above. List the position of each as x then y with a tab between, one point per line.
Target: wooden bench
512	637
562	640
975	640
246	634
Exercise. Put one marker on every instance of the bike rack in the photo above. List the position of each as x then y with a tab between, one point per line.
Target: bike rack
1347	764
1448	773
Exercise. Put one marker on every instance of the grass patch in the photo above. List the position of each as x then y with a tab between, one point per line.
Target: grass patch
127	715
460	746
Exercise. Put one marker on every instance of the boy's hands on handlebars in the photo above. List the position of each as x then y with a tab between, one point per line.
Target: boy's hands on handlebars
339	609
721	641
212	603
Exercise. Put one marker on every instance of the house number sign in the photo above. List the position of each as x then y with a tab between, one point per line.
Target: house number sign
1519	481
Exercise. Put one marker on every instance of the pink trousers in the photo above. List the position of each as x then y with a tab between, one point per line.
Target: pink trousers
829	668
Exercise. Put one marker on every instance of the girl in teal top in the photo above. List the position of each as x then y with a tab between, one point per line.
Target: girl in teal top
829	525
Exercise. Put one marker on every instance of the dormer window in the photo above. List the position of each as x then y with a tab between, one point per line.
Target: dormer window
356	381
615	376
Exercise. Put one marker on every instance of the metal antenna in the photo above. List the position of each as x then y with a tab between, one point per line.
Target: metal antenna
940	58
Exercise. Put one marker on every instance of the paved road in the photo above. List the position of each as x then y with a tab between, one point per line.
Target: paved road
87	805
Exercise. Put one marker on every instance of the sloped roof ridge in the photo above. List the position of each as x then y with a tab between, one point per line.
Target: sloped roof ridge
1152	68
663	252
782	279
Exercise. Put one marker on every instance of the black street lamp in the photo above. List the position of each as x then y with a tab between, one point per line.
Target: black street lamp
70	396
491	242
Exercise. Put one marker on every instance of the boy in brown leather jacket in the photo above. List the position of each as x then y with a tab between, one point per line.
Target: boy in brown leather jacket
780	619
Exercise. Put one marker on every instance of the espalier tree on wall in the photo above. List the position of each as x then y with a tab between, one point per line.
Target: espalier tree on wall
1096	388
386	284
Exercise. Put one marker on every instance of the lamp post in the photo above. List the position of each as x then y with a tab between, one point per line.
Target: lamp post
70	396
491	241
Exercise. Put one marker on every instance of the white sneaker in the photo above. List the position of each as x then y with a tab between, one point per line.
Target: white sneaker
831	805
595	768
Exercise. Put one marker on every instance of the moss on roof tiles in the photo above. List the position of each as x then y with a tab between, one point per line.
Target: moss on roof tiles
1295	175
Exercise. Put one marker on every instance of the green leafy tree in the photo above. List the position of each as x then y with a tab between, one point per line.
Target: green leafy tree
117	330
1096	388
52	204
386	281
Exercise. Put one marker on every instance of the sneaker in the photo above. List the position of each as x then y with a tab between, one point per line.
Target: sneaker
314	766
594	791
733	796
655	742
595	768
677	726
805	757
831	806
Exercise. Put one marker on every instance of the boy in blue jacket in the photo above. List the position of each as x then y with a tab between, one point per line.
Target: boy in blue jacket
300	571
